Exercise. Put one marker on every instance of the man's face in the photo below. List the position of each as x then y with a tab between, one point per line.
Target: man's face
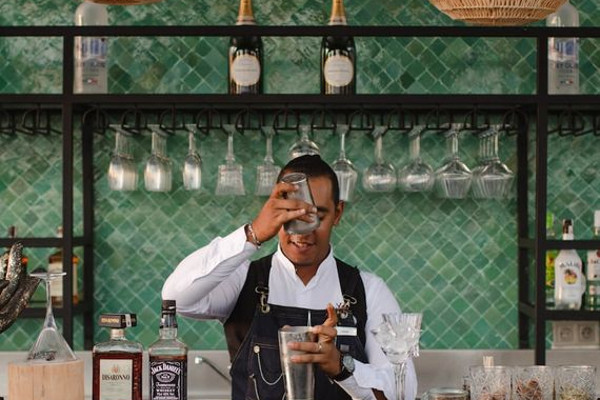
310	249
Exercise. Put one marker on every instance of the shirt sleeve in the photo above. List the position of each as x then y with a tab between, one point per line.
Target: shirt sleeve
379	372
207	283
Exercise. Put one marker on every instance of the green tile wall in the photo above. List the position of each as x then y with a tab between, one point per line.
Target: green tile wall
453	260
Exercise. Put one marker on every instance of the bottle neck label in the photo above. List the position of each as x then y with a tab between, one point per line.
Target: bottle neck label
116	379
168	380
245	70
338	70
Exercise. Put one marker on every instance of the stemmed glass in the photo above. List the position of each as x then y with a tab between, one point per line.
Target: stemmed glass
417	175
304	146
230	180
50	344
492	179
158	174
381	175
453	179
122	171
192	164
398	335
267	172
344	169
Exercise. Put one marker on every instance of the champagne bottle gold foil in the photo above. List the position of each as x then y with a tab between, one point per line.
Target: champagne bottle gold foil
245	15
338	14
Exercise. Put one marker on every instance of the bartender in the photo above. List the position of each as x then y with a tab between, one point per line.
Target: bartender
302	283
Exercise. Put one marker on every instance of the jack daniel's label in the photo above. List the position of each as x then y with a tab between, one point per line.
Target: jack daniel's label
168	380
116	379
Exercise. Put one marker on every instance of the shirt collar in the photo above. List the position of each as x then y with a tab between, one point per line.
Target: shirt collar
282	261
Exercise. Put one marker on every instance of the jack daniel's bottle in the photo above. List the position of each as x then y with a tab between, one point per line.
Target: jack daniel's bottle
338	57
245	57
168	359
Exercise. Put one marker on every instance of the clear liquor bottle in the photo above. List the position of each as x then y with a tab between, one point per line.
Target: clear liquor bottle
90	69
168	359
245	67
56	265
338	57
592	293
117	363
563	53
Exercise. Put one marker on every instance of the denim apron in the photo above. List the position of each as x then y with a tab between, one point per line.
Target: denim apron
256	368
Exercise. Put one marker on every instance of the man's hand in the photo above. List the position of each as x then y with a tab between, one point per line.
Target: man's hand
323	352
279	210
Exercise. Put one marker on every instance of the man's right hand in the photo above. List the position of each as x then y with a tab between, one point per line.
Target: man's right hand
278	210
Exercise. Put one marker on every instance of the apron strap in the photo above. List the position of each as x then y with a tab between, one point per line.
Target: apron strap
353	291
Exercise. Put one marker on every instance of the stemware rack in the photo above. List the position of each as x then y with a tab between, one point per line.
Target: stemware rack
561	114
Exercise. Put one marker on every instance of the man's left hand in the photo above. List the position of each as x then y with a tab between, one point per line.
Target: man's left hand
323	352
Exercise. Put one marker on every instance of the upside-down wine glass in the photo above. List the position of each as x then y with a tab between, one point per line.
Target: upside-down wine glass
344	169
267	172
398	335
192	164
417	175
303	146
158	173
453	179
381	175
492	179
122	171
50	344
230	179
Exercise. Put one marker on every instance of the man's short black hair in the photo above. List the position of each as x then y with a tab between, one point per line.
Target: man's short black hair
313	167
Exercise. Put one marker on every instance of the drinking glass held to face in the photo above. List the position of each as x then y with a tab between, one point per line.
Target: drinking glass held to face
302	216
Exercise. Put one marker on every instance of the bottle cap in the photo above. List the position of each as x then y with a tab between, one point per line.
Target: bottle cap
118	321
567	229
169	305
597	218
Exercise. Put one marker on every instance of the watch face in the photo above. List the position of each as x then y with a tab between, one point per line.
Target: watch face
348	362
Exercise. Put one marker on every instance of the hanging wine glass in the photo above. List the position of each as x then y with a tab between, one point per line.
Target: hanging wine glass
230	178
381	175
494	179
50	344
453	179
267	172
122	171
192	164
417	175
344	169
158	173
304	146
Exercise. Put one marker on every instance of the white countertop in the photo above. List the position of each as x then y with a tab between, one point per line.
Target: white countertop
435	368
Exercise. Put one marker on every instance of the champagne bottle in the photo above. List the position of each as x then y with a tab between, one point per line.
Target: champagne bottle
338	57
563	53
245	57
90	75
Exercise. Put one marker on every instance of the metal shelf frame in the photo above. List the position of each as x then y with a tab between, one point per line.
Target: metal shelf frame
540	106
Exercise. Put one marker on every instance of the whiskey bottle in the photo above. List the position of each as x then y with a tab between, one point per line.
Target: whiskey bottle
117	363
90	68
592	293
563	53
55	265
168	359
338	57
245	68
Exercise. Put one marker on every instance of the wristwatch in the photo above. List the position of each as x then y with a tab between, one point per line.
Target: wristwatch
347	367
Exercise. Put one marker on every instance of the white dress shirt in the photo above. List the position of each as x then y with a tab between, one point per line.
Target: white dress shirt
207	283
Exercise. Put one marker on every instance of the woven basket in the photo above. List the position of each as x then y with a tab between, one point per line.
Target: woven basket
497	12
125	2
